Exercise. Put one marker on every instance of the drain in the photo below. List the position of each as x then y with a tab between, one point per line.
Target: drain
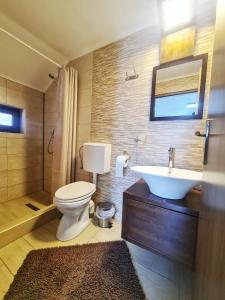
31	206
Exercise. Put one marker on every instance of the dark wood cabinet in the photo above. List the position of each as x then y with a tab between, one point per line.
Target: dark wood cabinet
166	227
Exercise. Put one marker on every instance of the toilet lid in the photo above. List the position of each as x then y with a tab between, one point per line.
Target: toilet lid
76	190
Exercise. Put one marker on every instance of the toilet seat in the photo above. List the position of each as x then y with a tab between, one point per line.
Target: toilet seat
74	192
77	200
74	204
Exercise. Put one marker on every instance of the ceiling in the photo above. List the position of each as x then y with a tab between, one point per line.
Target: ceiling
63	30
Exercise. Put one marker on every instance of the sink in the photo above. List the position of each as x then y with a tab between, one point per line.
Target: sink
174	185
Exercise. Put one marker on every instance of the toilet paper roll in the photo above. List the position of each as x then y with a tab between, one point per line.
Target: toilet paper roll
121	162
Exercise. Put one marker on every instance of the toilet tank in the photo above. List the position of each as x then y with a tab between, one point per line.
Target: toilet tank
96	157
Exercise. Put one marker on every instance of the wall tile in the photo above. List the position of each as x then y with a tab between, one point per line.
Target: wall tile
34	115
23	161
3	134
3	162
47	185
3	144
51	118
84	115
22	189
120	110
3	179
24	175
21	155
85	80
84	97
83	132
3	195
2	90
34	94
22	100
48	172
33	130
15	135
24	146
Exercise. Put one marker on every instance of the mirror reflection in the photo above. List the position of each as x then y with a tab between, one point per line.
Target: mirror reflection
179	89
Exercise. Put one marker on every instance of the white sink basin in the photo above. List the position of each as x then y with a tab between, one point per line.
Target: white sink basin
174	185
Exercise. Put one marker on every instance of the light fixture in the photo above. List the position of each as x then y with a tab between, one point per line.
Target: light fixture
176	14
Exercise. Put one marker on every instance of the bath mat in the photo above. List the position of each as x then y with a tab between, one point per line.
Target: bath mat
84	272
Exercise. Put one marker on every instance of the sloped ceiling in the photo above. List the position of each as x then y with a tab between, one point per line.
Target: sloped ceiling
63	30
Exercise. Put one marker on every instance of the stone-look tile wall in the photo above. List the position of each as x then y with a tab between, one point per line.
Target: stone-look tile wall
21	154
84	67
120	110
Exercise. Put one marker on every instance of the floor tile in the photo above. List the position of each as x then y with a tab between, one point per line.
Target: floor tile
52	226
155	286
41	238
13	254
109	234
5	279
155	263
84	237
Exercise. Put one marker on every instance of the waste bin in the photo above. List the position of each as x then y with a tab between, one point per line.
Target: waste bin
105	211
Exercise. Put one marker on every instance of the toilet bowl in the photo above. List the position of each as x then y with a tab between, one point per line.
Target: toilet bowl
72	200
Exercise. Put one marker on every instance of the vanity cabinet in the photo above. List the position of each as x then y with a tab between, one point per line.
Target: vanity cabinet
166	227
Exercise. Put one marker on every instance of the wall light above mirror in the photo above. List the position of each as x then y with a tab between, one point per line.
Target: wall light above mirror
178	89
176	14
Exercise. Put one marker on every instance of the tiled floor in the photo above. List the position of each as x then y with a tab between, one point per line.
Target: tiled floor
16	208
152	272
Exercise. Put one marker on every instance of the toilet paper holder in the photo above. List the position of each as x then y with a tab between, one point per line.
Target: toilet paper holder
121	163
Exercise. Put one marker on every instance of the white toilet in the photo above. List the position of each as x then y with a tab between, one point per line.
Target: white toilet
73	199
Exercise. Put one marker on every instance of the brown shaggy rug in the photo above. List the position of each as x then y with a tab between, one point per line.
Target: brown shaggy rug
92	271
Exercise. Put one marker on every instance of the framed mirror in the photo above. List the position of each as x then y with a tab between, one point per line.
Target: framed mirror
178	89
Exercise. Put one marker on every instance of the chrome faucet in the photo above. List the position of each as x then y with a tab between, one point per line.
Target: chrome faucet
171	159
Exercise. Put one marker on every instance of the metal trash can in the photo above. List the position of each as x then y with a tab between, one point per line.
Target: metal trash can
105	211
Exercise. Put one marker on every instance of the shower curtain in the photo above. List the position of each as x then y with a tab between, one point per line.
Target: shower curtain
63	167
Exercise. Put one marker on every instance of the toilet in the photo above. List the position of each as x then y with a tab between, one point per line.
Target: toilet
73	199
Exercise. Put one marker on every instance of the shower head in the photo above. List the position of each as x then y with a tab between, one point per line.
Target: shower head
51	76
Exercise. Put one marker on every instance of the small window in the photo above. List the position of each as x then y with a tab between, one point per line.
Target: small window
10	119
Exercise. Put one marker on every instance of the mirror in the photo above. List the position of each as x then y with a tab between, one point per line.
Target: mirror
178	89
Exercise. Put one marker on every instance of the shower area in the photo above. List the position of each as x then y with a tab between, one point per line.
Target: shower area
40	134
23	200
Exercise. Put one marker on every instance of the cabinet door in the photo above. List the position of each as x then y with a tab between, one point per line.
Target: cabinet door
166	232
